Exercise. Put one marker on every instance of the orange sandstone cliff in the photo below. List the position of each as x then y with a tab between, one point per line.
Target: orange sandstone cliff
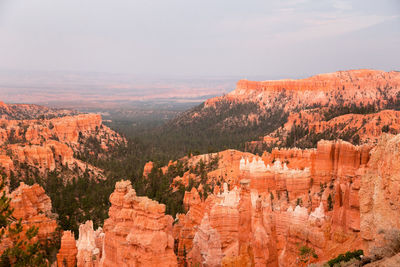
359	128
278	202
33	207
380	192
138	233
354	86
68	251
333	199
52	141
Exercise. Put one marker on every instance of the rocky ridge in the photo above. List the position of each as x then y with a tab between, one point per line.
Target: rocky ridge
50	144
355	105
30	111
355	86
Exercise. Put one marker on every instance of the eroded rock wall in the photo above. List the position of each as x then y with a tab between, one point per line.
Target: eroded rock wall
379	196
284	200
137	233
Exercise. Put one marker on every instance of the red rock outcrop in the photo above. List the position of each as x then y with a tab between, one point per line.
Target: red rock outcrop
33	206
138	233
49	143
6	164
66	256
191	198
380	192
288	198
366	127
44	156
338	159
350	79
206	249
89	245
147	168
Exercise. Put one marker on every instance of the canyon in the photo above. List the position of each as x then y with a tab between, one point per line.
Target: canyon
281	201
320	198
324	178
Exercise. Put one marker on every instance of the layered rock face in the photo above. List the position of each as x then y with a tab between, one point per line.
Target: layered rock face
355	86
68	129
325	106
66	256
350	79
206	249
138	233
279	202
305	198
380	192
48	142
361	128
89	245
33	206
44	156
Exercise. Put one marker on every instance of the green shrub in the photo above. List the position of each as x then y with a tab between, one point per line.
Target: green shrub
330	203
356	254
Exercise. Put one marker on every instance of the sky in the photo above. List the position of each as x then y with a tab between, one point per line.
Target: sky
273	39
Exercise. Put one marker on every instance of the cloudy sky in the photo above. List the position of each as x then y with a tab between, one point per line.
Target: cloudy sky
200	37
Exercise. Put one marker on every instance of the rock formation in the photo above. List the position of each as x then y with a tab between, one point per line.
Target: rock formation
6	164
30	112
89	245
279	202
206	249
309	198
33	206
355	86
49	141
366	128
147	168
379	196
138	233
66	256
